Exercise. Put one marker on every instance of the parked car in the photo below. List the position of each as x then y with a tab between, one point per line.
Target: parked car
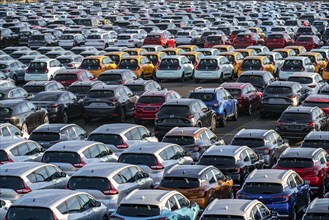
317	209
243	40
68	41
259	79
81	88
99	40
7	93
129	40
310	82
13	69
34	87
70	62
42	40
316	139
309	41
119	76
256	63
67	77
162	38
140	65
10	131
278	40
97	64
43	69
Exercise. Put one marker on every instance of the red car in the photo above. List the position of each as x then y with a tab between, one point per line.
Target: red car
247	95
278	40
217	39
243	40
160	38
236	32
150	102
319	100
309	42
310	164
69	76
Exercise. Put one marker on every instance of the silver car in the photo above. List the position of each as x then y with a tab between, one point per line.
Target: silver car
155	158
129	40
9	130
19	150
70	156
109	182
311	82
57	204
4	206
295	64
18	179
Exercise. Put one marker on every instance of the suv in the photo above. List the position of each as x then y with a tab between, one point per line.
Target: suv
43	69
140	86
259	79
310	164
193	139
201	184
295	64
57	204
318	209
13	69
234	161
220	100
281	190
114	101
155	158
109	182
279	95
267	143
67	41
81	89
119	76
185	113
42	40
297	122
311	82
121	136
316	139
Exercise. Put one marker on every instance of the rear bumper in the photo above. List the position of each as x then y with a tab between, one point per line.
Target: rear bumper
105	112
282	209
273	108
291	134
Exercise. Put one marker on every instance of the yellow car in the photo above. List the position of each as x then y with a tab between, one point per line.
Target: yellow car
155	57
256	63
194	57
97	64
325	73
135	51
285	52
246	52
189	48
235	58
258	31
317	60
173	51
140	65
298	49
116	56
224	48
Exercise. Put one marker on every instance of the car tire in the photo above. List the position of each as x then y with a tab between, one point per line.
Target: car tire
293	214
65	117
223	120
249	112
182	79
122	115
25	128
15	79
323	189
236	113
213	124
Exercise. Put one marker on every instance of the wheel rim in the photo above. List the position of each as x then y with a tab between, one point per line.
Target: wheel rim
250	109
65	118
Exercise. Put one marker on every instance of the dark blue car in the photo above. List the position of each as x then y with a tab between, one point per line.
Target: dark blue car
283	191
220	100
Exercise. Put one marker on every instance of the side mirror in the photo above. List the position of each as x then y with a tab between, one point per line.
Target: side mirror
145	175
306	182
98	204
82	136
62	174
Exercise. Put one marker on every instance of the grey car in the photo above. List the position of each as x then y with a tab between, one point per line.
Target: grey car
13	69
57	204
109	182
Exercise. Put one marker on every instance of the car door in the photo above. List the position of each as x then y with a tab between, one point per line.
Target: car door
40	179
252	95
221	185
72	209
231	103
30	116
184	207
35	152
297	193
89	208
37	114
206	114
75	104
143	182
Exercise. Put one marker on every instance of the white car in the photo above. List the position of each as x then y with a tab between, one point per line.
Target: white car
43	69
175	67
99	40
295	64
67	41
311	82
275	58
70	62
213	68
141	32
185	37
129	40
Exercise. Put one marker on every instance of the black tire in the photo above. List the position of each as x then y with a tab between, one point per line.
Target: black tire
65	117
223	120
182	79
236	114
249	112
213	124
293	214
25	128
122	115
15	79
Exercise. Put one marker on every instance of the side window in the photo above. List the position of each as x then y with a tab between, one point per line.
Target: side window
210	177
255	214
32	178
163	155
52	173
265	212
65	97
252	155
79	131
94	151
134	173
298	180
24	108
271	139
135	135
126	175
13	130
41	174
211	135
14	151
196	107
182	201
291	182
71	133
5	132
23	149
219	175
85	202
172	203
73	205
244	156
32	147
202	105
169	152
143	132
203	136
117	178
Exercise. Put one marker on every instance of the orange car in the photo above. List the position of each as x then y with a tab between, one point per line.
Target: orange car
199	183
285	52
318	61
256	63
135	51
297	49
155	57
116	56
235	58
246	52
97	64
258	31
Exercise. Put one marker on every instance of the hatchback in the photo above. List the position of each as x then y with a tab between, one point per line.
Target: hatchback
140	65
67	77
100	40
309	41
278	40
311	82
20	178
43	69
13	69
97	64
109	182
41	40
81	88
259	79
129	40
243	40
317	209
162	38
316	139
318	61
57	204
140	86
7	93
120	76
35	87
67	41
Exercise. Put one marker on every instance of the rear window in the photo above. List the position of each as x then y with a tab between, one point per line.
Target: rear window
275	36
110	77
106	138
61	157
301	80
34	88
217	160
234	92
151	99
250	142
142	211
153	59
292	65
11	182
208	64
35	213
93	36
305	39
100	94
316	216
123	37
138	159
251	64
136	88
3	156
153	37
180	140
44	136
128	64
46	97
263	188
296	117
90	183
115	58
169	64
180	182
37	37
79	89
174	110
278	90
295	163
314	104
251	79
304	30
206	97
64	60
35	66
65	77
90	64
67	37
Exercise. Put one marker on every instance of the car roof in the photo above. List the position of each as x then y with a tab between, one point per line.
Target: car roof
207	90
156	93
257	73
19	168
149	197
304	74
307	153
115	128
103	169
299	109
147	147
267	176
107	87
319	205
236	207
71	146
138	82
283	83
8	141
190	171
252	133
10	102
224	150
56	127
317	135
86	83
295	57
235	85
184	131
182	101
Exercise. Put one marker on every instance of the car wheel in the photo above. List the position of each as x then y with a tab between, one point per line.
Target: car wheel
65	117
231	195
249	109
25	128
46	119
293	214
236	113
221	78
323	189
223	120
15	78
182	79
213	124
122	115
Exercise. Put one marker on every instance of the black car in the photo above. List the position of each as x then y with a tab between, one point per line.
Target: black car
316	139
24	36
42	40
109	101
138	87
278	95
320	25
34	87
7	38
184	113
325	35
114	77
61	105
235	161
23	114
81	88
296	122
49	134
317	209
268	143
259	79
14	93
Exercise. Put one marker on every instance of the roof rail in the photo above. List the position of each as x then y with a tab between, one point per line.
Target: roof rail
198	88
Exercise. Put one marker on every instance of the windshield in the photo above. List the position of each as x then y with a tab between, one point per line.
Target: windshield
141	211
46	97
61	157
174	110
278	90
206	97
65	76
208	64
234	92
295	162
151	99
296	117
217	160
180	182
169	64
79	89
138	159
11	182
251	65
136	88
100	94
180	140
128	64
263	188
252	79
36	67
90	183
250	142
112	139
35	213
90	64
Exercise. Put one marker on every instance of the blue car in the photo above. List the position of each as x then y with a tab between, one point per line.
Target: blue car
220	100
283	191
156	204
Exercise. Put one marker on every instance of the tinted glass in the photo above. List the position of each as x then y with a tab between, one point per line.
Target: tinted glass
295	163
174	110
251	79
275	36
142	159
180	182
115	58
100	94
123	37
36	67
278	90
79	89
151	99
217	160
206	97
37	37
250	142
316	143
46	97
131	210
292	65
301	80
65	77
64	60
44	136
136	88
90	64
262	188
128	64
106	138
110	77
305	39
234	92
35	213
11	182
61	157
180	140
3	156
251	65
296	117
170	64
316	216
207	64
34	88
91	183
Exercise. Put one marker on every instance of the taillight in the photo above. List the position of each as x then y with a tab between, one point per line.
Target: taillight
137	68
190	116
311	124
130	41
54	106
46	71
158	68
261	68
279	123
197	67
121	82
266	151
292	96
111	191
5	71
24	190
122	146
281	68
283	198
302	69
217	68
312	86
178	68
79	165
157	166
216	104
26	71
99	68
115	99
